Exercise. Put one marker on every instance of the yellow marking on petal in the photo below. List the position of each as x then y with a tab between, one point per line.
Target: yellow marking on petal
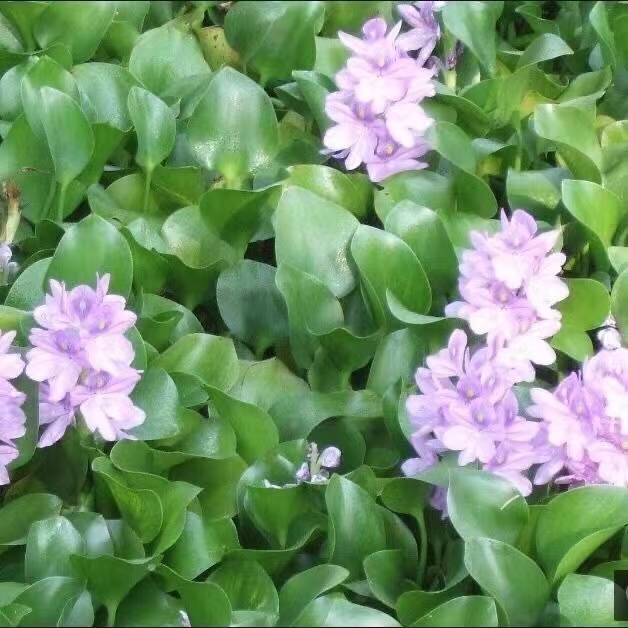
624	445
470	393
389	149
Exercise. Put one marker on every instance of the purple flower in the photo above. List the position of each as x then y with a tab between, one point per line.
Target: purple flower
584	429
105	405
425	31
379	121
82	358
467	405
509	283
12	418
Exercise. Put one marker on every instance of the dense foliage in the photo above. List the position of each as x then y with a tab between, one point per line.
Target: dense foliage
268	309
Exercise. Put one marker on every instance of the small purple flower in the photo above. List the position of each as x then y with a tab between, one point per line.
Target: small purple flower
330	457
510	283
584	428
425	31
467	405
379	121
83	360
12	417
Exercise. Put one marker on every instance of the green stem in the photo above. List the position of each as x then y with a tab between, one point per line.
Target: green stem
148	175
61	202
51	194
420	517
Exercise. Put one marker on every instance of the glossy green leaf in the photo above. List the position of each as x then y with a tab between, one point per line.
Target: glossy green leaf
234	128
474	24
211	359
485	505
468	610
16	516
595	207
350	507
313	235
330	610
275	37
155	126
564	540
387	264
251	305
69	136
49	545
90	247
81	26
297	592
587	305
588	600
513	579
162	54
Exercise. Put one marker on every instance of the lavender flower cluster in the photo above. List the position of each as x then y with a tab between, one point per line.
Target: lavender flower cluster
377	111
586	435
576	434
509	283
82	361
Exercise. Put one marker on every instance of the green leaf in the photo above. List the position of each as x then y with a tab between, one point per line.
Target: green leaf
573	342
206	603
211	359
234	128
571	129
203	543
49	545
312	235
388	265
598	18
384	572
90	247
434	191
162	54
351	191
275	37
254	428
453	144
148	605
595	207
587	305
330	610
155	126
69	136
535	191
81	26
111	578
251	305
306	586
158	396
351	508
619	302
589	600
17	516
297	414
474	24
104	90
140	508
423	231
513	579
248	587
49	599
574	524
486	505
545	47
467	610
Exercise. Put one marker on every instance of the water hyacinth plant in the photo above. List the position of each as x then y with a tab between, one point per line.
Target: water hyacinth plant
313	313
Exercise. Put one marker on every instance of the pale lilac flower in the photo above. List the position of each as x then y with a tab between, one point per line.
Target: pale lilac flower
379	121
467	405
12	417
330	457
425	31
509	282
584	424
105	405
83	360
